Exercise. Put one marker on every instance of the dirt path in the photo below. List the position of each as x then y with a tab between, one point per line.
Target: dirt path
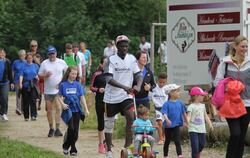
35	133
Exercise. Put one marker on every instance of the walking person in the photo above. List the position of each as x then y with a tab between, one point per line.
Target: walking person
6	79
37	59
17	66
88	57
197	116
120	71
28	85
148	82
159	97
237	66
145	47
81	66
51	70
174	112
97	86
71	97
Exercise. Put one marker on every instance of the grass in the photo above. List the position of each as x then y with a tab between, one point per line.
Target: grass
16	149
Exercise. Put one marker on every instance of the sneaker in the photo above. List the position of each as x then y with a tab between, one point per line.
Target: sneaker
58	133
180	156
33	118
101	148
73	154
18	112
26	119
5	118
65	152
109	154
51	133
161	142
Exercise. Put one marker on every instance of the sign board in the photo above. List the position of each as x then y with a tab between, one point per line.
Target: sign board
198	28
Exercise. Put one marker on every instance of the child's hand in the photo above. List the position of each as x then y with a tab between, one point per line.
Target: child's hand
65	106
101	90
168	122
211	128
87	112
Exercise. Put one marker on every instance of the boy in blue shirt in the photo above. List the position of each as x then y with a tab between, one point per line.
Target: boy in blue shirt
173	111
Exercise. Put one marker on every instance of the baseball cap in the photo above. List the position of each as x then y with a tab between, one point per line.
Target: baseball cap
197	91
168	88
121	38
51	50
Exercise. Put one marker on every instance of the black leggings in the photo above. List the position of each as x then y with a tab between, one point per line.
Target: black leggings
172	133
238	129
100	109
71	135
29	97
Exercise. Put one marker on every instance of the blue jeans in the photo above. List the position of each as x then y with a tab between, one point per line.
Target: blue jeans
198	141
4	91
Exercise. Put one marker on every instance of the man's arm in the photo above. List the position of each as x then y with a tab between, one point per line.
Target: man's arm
139	80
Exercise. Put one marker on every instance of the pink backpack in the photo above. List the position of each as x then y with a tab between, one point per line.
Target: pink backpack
219	93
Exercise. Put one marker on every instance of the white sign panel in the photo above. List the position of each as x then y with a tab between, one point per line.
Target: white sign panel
198	30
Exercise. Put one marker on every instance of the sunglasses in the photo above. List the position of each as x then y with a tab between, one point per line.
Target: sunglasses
33	45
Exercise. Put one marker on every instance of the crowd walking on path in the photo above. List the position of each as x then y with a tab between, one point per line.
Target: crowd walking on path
123	84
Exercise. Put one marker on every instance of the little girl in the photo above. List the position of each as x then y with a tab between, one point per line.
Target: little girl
196	117
71	93
173	112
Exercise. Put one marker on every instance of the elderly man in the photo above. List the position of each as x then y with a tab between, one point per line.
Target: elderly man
52	70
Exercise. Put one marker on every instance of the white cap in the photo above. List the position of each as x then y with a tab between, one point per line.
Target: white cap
171	87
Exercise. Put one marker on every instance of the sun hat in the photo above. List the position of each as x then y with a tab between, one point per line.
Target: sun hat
51	50
168	88
121	38
197	91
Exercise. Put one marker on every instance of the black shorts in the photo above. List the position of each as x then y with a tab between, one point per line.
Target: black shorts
113	109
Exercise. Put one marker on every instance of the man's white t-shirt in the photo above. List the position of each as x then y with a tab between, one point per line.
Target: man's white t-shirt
108	51
163	50
57	68
159	96
123	71
81	63
146	48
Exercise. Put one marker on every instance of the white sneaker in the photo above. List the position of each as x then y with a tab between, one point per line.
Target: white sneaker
109	154
5	118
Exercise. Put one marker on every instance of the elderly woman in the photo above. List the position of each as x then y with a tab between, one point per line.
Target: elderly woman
237	66
27	82
17	66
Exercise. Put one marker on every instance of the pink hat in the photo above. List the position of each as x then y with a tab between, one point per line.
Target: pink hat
121	38
197	91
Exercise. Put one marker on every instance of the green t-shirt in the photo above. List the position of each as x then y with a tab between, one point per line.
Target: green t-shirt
197	119
71	60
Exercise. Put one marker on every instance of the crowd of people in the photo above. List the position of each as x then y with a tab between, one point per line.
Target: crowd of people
122	83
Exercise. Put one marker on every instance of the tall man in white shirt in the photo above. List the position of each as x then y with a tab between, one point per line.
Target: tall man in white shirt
145	47
120	71
52	70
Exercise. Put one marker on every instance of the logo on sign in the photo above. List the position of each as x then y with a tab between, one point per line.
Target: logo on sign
183	34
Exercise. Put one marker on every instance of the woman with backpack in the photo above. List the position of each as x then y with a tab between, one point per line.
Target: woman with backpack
236	66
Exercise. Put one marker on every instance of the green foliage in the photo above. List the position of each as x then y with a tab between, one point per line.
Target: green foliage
15	149
92	21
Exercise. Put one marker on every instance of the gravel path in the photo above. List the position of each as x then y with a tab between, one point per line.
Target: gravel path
35	133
